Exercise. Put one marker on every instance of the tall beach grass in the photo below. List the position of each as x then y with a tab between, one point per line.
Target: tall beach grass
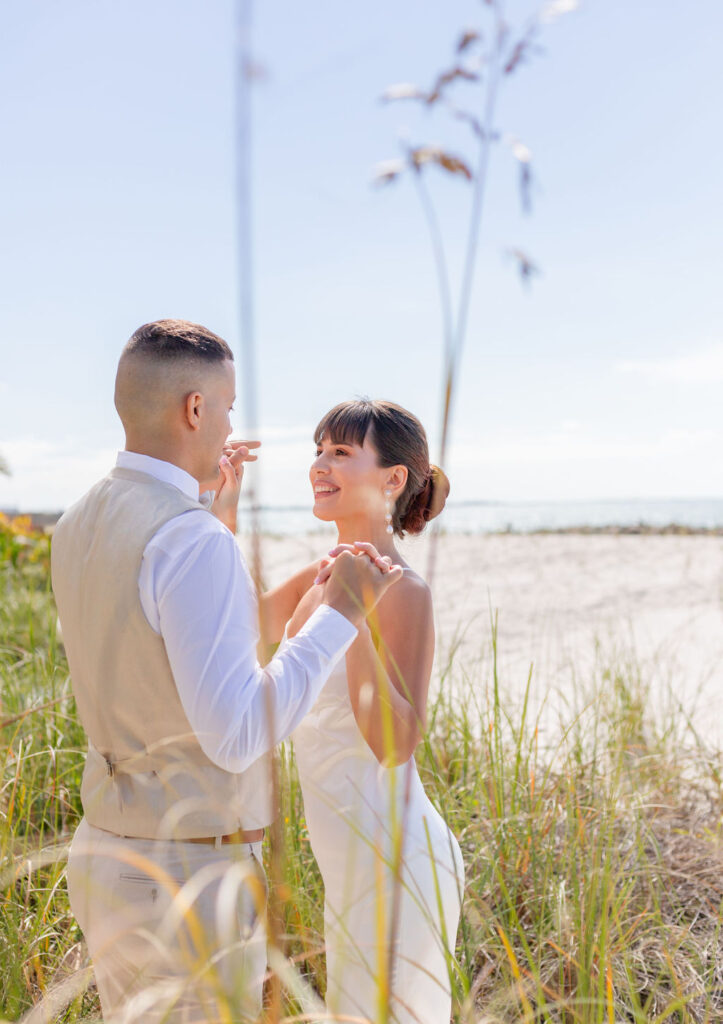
593	859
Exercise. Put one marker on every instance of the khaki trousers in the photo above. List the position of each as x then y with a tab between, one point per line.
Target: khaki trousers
176	931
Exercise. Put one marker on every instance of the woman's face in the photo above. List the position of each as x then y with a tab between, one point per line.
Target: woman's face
347	481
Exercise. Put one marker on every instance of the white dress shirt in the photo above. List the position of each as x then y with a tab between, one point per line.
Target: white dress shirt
196	592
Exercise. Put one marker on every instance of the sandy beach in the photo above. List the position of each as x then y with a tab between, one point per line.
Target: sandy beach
571	606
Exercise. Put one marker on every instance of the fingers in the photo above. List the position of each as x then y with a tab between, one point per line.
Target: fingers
240	455
387	567
361	547
394	575
335	552
246	444
240	451
325	569
237	458
342	552
355	583
367	548
229	471
355	548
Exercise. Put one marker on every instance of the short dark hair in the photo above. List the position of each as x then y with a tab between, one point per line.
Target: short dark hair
400	440
178	339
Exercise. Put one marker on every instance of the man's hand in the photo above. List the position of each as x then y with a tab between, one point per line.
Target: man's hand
354	582
227	484
237	452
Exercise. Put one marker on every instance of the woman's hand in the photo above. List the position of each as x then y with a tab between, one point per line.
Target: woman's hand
228	483
359	547
356	578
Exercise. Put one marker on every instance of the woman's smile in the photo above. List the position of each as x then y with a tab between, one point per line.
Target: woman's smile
323	489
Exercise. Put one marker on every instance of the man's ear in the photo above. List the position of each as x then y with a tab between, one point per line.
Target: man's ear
194	409
397	479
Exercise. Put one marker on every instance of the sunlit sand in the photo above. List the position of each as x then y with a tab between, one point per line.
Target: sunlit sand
573	606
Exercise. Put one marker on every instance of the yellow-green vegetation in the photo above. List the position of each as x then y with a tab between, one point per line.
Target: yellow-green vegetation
41	755
594	869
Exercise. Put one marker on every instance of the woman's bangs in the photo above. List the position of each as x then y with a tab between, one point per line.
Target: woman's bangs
345	424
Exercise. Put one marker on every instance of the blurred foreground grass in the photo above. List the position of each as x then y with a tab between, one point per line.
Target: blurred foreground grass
594	869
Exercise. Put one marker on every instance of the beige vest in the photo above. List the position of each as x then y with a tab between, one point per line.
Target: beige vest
146	774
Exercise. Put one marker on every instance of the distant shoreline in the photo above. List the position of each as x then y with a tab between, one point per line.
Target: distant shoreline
612	529
47	520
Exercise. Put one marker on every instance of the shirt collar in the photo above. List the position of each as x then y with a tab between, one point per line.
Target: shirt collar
167	473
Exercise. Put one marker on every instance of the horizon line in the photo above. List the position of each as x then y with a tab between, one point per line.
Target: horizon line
467	503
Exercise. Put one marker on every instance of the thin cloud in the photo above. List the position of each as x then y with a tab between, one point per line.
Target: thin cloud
704	366
564	446
49	475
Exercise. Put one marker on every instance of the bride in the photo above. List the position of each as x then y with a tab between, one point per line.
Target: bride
392	870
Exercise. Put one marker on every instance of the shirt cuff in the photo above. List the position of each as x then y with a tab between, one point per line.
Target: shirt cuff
331	630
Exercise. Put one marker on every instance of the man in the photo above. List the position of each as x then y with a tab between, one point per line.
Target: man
159	623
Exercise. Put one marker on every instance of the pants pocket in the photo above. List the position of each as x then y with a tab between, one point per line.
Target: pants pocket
252	899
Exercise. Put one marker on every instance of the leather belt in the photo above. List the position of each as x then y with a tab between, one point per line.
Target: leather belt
253	835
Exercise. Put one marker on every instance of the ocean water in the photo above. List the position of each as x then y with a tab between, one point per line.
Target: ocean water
523	517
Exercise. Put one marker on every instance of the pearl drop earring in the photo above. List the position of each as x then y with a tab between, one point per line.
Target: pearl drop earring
388	515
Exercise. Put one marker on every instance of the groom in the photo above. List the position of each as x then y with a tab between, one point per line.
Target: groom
159	622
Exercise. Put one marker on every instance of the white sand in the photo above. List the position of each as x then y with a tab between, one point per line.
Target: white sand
567	603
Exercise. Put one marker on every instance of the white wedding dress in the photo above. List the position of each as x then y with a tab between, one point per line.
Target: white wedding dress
392	870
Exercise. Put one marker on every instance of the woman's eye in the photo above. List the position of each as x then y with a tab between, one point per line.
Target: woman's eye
337	451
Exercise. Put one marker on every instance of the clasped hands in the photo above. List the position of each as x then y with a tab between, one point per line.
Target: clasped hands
359	547
353	577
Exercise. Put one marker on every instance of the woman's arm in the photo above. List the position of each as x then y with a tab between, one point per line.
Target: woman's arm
278	605
388	686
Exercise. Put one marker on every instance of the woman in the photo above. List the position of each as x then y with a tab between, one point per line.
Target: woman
392	870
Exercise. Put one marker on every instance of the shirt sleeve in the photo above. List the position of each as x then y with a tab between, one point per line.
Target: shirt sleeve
197	593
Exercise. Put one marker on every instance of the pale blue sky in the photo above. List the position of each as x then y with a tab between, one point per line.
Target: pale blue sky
117	206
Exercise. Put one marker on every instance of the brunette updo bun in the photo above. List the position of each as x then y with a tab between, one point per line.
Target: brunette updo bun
400	440
428	503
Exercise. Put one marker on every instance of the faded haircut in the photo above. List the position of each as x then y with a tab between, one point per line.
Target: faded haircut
174	340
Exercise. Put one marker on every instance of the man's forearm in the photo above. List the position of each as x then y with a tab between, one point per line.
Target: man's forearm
239	719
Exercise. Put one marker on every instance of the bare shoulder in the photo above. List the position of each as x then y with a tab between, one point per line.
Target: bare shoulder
406	625
410	596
